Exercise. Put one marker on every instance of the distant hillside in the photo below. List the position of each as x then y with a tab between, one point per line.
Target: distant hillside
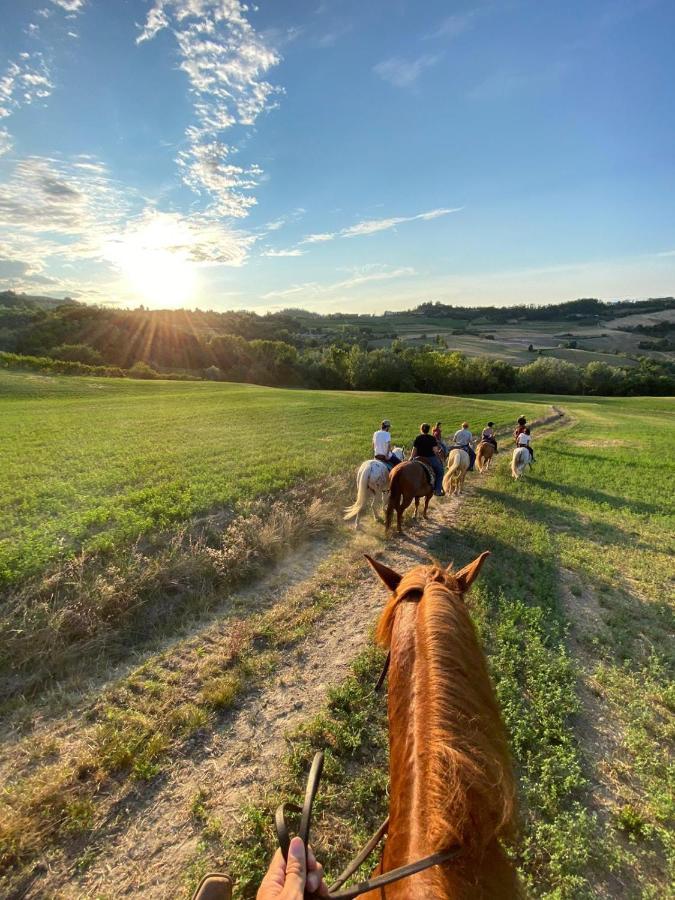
580	331
12	300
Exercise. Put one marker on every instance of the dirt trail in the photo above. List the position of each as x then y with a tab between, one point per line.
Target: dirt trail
146	850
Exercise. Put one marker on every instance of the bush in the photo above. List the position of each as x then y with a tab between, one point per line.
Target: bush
142	370
81	353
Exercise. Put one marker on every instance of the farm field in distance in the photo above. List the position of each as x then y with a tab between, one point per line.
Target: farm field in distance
574	607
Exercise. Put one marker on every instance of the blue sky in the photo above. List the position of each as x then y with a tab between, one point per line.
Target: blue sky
337	155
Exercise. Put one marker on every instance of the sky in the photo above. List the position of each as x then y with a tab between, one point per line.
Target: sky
337	155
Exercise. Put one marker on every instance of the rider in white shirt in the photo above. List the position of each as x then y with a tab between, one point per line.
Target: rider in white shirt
524	440
382	445
463	438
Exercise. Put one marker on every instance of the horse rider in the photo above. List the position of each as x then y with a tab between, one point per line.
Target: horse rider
426	447
524	440
438	434
520	428
382	445
463	440
488	435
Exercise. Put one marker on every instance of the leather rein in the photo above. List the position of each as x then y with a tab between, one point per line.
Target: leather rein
380	881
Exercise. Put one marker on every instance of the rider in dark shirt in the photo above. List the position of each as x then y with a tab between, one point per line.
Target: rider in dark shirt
424	446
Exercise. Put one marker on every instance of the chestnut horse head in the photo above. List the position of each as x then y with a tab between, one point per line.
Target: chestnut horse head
451	782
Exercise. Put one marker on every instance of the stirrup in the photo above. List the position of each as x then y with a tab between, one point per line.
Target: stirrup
214	887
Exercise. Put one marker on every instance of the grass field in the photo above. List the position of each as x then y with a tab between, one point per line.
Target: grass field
90	463
574	607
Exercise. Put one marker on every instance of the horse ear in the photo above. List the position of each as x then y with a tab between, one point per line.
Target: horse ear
466	576
390	578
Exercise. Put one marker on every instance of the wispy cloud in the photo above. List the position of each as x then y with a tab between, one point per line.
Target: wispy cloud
293	251
5	141
319	238
284	220
70	6
225	61
24	82
501	85
364	275
454	25
405	72
372	226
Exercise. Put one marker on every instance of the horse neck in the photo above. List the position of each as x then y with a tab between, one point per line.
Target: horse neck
439	689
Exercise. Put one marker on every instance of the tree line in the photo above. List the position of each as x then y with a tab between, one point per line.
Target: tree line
419	369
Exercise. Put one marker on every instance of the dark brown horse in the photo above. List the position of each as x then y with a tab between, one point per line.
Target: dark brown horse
451	783
407	482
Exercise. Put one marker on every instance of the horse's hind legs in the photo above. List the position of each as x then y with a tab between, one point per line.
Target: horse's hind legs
417	508
426	505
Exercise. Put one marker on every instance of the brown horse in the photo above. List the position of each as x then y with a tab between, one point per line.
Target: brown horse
484	453
451	783
407	482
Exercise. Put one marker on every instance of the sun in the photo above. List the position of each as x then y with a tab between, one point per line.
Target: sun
153	257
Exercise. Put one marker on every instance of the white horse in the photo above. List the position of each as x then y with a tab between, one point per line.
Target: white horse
458	464
372	477
520	461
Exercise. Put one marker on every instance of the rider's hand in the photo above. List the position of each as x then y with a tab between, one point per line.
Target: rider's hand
287	880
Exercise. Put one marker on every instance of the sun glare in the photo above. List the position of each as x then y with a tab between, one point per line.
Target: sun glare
153	257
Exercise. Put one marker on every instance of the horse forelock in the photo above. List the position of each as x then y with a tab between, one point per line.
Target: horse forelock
412	588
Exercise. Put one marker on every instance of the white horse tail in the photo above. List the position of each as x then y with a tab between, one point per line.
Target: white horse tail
362	478
454	471
519	460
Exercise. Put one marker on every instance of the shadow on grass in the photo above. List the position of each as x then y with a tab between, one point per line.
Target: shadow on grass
600	497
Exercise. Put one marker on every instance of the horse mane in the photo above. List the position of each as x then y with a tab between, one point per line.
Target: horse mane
467	761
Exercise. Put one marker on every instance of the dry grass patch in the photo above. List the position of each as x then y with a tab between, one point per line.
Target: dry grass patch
139	724
99	607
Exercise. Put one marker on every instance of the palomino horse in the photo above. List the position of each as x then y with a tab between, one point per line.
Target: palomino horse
484	453
372	478
407	482
520	461
458	464
451	782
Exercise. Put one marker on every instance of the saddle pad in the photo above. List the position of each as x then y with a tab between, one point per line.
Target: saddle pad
431	475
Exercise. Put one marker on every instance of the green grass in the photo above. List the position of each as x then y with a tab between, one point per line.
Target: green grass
94	463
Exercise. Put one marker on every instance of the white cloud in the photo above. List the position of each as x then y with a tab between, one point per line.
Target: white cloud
225	61
319	238
405	72
5	141
364	275
286	219
24	83
454	25
372	226
294	251
69	6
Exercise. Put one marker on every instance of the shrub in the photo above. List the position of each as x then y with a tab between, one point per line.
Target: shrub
81	353
142	370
